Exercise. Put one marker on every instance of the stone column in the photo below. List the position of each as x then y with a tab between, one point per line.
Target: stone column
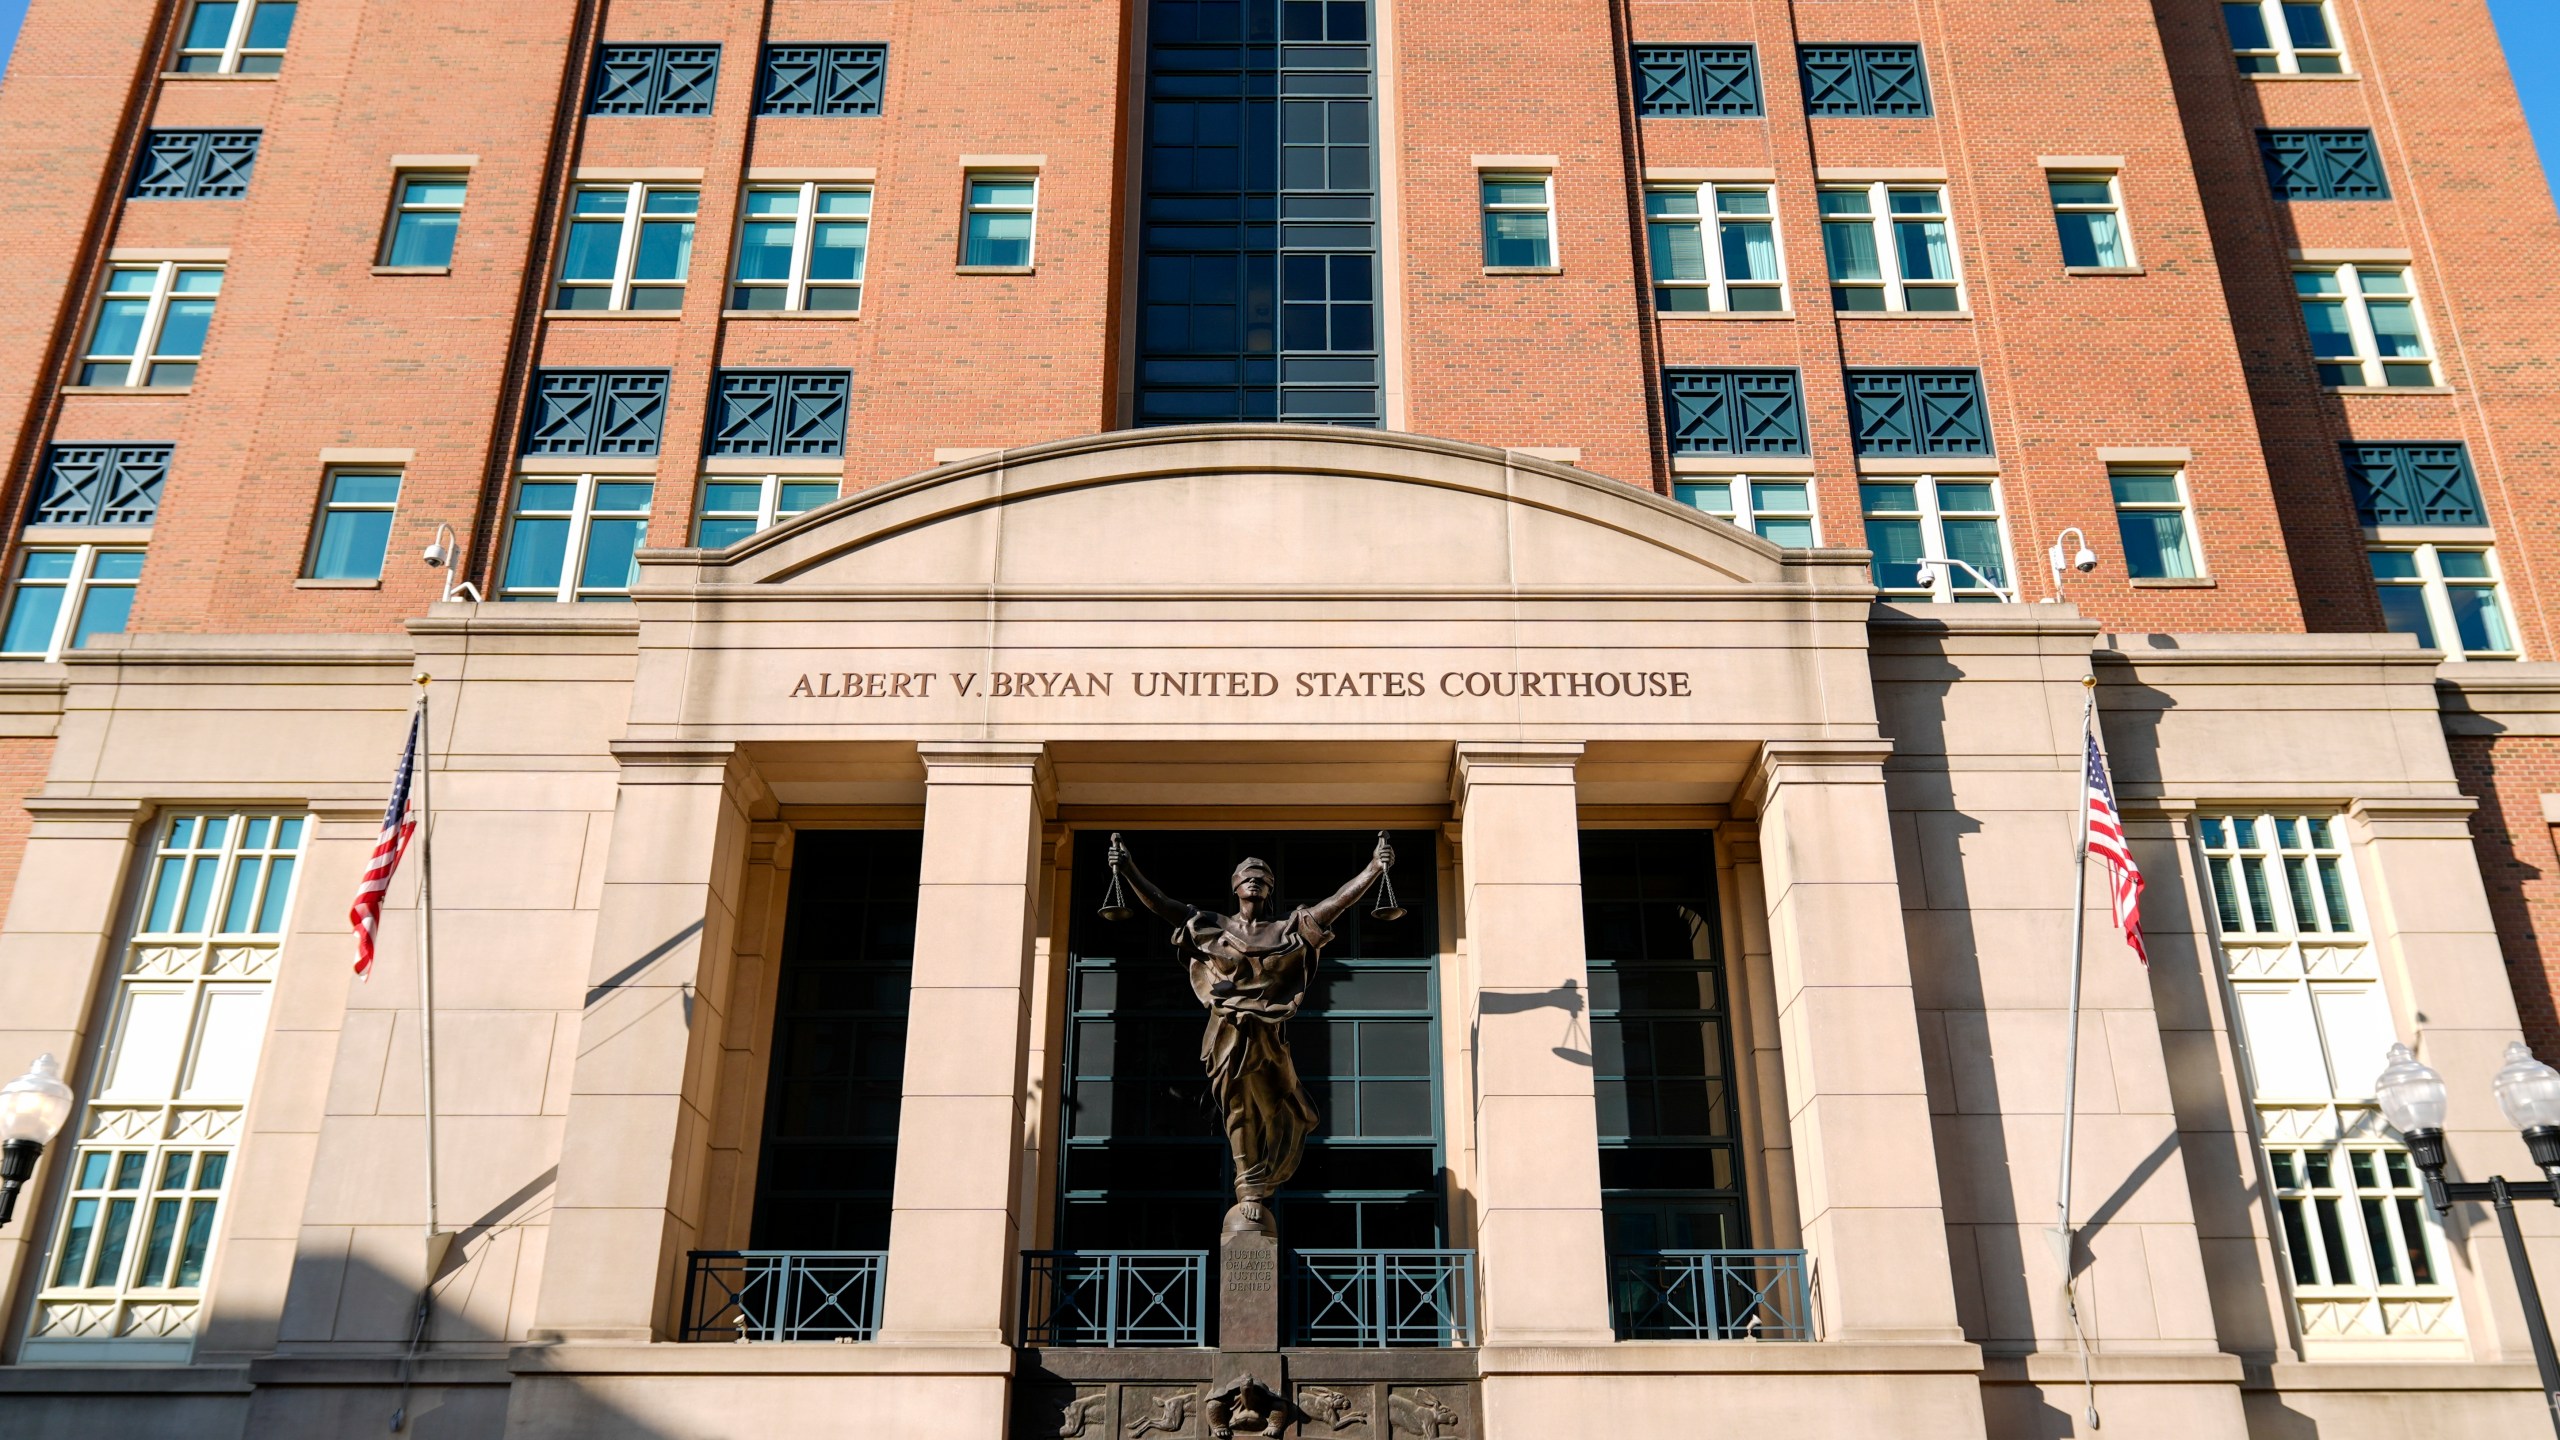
635	1145
1858	1101
1538	1237
953	1234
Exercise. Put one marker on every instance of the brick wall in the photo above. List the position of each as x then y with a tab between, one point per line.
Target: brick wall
2509	777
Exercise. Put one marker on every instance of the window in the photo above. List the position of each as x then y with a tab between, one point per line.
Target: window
2312	1022
2365	328
1002	209
2446	595
1864	80
195	165
227	37
822	79
802	247
1888	247
655	80
2279	37
2089	212
92	485
2414	484
355	524
1697	80
151	325
596	412
1918	412
1735	412
572	537
629	247
1741	270
1778	511
426	210
1519	222
2323	165
67	594
2151	516
779	412
1935	518
123	1277
737	506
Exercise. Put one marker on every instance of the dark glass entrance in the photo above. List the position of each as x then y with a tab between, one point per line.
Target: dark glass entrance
1144	1165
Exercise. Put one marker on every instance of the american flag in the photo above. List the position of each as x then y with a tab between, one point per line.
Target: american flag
399	822
2107	843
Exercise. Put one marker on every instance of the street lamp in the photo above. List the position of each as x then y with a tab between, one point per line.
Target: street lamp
2412	1097
32	1109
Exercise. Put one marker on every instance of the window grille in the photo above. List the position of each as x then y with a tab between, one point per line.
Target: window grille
779	412
2323	165
655	80
101	484
1735	412
1864	80
822	80
195	165
1918	412
1697	80
596	412
2414	484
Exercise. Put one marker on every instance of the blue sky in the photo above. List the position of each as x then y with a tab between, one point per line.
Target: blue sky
2530	29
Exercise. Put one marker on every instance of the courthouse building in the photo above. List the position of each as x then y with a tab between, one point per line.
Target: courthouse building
878	451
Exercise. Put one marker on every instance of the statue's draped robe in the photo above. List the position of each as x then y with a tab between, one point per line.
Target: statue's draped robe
1245	1049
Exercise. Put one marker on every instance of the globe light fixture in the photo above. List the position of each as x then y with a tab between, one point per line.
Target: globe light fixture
32	1109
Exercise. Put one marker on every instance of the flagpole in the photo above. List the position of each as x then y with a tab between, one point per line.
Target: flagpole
2071	1042
427	980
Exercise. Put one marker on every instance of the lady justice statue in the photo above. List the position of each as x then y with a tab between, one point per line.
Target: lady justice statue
1251	970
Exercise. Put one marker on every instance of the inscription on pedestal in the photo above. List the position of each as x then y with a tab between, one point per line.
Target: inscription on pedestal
1249	1293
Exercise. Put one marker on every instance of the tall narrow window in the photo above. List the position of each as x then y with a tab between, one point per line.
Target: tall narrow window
354	531
629	248
123	1277
1778	511
151	325
426	211
2284	37
1519	222
1889	247
1913	524
2088	210
573	536
802	247
1714	247
2151	518
1003	210
2364	1259
2446	595
68	594
232	37
737	506
2365	327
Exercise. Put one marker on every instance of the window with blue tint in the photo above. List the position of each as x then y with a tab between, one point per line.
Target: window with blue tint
151	325
90	485
2151	519
1003	210
1260	191
2448	596
2090	216
426	213
822	79
2414	483
1918	412
654	80
1734	412
36	606
227	37
2323	165
1915	526
1778	511
1519	222
573	537
630	247
2283	37
802	247
108	599
797	413
195	165
596	412
1678	80
2364	326
354	532
1864	80
66	596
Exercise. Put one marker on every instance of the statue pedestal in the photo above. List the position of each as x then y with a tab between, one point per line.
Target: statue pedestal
1247	1391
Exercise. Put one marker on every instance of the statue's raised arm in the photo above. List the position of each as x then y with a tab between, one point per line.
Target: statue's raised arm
1125	865
1330	909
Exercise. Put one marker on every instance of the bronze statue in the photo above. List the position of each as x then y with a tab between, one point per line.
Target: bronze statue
1252	971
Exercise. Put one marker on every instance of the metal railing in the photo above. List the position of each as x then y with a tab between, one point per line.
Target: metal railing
1710	1295
782	1295
1376	1298
1114	1298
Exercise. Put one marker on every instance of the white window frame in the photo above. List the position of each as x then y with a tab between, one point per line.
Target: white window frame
1709	223
401	206
581	514
768	511
75	589
2432	585
804	230
2184	508
1942	588
123	1320
2368	356
1880	216
626	254
1486	209
2279	952
2115	206
2288	57
1740	507
234	45
155	315
329	477
970	208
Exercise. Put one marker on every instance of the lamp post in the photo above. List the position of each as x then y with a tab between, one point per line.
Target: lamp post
32	1109
2412	1097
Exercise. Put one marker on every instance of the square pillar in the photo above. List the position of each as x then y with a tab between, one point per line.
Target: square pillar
954	1238
1538	1233
1857	1098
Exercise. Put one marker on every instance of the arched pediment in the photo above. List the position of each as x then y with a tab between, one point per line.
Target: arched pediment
1259	507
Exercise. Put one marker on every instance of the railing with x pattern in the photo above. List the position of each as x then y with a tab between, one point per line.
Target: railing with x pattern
1114	1298
1377	1298
1710	1295
745	1295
